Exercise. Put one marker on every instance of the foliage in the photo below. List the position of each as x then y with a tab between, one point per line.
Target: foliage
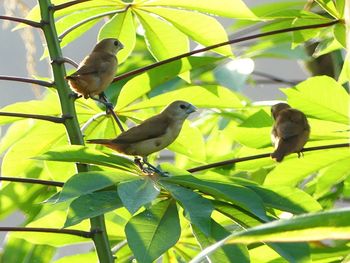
177	217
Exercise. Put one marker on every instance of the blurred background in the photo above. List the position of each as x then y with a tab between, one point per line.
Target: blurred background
20	53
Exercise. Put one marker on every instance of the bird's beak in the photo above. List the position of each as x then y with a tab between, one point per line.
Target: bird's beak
121	45
191	109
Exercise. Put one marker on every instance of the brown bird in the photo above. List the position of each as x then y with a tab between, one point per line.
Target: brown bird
153	134
97	70
290	131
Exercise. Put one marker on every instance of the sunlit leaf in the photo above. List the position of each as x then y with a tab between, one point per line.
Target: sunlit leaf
122	27
201	28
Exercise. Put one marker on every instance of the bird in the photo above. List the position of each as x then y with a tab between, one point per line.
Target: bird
290	131
96	71
153	134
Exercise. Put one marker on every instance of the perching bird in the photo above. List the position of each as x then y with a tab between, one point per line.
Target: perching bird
153	134
290	131
97	70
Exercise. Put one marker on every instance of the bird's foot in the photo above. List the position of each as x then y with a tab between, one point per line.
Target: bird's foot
109	105
300	154
74	95
138	162
153	169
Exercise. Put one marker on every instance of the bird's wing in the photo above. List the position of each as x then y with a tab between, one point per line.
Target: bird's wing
153	127
96	62
292	123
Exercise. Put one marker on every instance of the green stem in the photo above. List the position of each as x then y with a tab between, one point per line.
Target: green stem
98	227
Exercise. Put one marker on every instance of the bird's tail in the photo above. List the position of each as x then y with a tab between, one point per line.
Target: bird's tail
282	150
99	141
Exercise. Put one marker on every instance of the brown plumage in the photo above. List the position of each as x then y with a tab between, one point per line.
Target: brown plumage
290	131
97	70
153	134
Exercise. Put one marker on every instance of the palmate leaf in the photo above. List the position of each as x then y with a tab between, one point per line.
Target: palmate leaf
82	154
136	193
286	174
201	28
332	224
322	98
122	27
92	205
145	82
225	254
89	182
153	231
198	209
227	8
237	194
164	41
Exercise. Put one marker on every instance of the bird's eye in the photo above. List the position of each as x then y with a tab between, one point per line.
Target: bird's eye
116	43
183	106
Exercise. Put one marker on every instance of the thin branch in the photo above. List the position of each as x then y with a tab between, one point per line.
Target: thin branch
68	4
110	109
273	78
73	232
36	116
22	20
27	80
66	32
32	181
119	246
65	60
259	156
233	41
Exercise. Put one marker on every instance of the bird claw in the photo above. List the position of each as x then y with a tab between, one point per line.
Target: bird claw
74	95
152	169
300	154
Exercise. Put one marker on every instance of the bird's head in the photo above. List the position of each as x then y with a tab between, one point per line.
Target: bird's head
179	109
277	108
109	45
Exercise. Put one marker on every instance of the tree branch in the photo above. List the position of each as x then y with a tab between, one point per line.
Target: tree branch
32	181
36	116
233	41
27	80
273	78
259	156
22	20
48	230
68	4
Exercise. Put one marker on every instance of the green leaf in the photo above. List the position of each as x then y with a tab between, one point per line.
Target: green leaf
198	209
137	193
88	182
286	174
153	231
201	28
329	7
86	258
163	40
339	33
208	96
322	98
330	176
145	82
82	154
237	194
226	8
92	205
309	227
19	250
345	72
225	254
190	143
122	27
287	198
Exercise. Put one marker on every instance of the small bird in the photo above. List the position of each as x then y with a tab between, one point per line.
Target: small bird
153	134
97	70
290	131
